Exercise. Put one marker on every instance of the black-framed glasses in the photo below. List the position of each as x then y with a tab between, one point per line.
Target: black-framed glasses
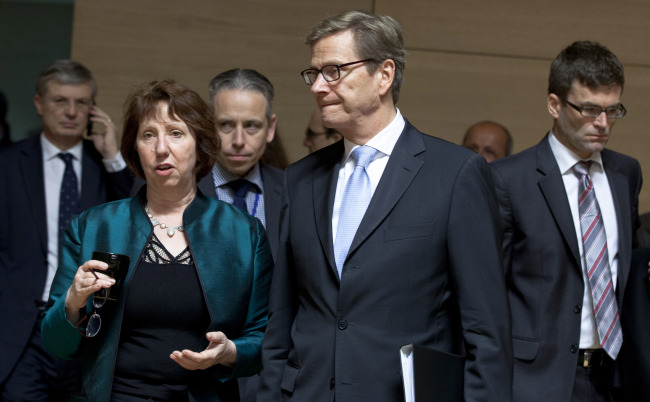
331	72
614	112
94	322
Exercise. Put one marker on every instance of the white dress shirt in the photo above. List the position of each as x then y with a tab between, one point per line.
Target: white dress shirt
566	159
53	169
384	142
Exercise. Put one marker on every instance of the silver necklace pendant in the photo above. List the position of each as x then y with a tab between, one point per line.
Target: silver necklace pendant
171	230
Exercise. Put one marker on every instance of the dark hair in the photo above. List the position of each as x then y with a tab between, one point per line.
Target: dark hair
274	153
591	63
246	80
509	142
377	37
65	72
185	105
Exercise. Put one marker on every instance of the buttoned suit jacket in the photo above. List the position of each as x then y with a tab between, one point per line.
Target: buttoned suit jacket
416	272
542	264
23	239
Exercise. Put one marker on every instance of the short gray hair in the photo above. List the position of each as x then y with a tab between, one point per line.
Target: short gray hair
245	80
377	37
65	72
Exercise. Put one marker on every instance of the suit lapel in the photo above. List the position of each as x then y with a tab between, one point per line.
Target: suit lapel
272	197
618	184
31	166
206	185
91	185
552	187
400	171
324	181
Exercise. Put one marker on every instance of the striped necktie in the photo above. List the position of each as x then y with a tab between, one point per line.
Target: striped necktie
596	258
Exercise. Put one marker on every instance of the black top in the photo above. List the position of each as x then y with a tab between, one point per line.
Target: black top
164	311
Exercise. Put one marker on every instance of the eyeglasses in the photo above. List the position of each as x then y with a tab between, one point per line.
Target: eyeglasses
309	133
94	321
330	72
616	112
83	105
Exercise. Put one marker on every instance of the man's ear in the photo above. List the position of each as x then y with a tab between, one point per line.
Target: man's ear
387	76
554	104
39	104
271	131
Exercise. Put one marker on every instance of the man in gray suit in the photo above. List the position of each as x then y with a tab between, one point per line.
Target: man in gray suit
387	238
569	211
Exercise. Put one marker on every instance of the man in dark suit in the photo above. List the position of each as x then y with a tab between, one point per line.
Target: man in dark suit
634	358
423	265
41	189
242	101
557	199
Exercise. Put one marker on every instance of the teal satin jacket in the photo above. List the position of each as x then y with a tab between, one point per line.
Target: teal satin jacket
234	264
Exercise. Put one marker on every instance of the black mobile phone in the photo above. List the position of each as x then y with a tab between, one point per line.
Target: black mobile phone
89	125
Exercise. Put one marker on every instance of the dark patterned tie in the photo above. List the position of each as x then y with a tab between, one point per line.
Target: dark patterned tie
240	188
596	258
69	204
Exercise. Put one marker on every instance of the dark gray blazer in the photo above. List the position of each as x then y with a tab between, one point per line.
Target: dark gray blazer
23	238
542	264
272	179
424	268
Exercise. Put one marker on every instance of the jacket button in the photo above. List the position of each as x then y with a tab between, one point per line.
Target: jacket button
342	324
332	382
577	309
574	348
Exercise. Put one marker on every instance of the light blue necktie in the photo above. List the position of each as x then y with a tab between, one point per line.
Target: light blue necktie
354	203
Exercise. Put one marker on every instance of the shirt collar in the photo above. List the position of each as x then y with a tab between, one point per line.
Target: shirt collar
51	151
566	158
223	176
384	141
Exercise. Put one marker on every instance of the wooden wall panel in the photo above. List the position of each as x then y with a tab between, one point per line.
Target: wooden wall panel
526	29
126	43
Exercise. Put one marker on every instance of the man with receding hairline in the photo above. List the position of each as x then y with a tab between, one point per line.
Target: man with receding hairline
387	238
39	176
488	139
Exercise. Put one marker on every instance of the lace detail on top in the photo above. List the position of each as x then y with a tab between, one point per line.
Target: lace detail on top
156	253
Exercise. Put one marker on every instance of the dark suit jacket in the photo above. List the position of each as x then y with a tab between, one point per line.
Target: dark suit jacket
634	357
542	264
23	239
416	273
272	180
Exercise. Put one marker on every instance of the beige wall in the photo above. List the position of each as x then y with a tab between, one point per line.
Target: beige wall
468	60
